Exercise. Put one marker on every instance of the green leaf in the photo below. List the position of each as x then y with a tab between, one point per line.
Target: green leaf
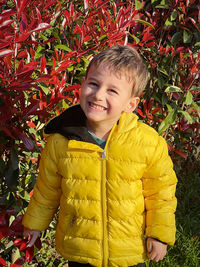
145	23
197	44
102	37
173	88
168	22
194	105
163	71
161	81
171	117
187	116
160	3
39	52
64	104
187	36
169	108
138	4
44	88
63	47
135	38
176	38
164	99
174	15
189	98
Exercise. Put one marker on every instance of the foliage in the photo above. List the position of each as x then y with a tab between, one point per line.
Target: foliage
45	47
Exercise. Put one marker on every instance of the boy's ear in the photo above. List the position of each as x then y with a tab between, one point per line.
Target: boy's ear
132	104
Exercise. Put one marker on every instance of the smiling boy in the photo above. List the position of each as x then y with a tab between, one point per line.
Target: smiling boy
110	174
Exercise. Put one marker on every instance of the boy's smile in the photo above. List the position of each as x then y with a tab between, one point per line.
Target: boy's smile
104	96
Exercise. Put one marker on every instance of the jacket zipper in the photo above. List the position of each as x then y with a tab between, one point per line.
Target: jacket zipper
104	212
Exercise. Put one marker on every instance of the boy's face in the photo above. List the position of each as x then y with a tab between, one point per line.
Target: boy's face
104	96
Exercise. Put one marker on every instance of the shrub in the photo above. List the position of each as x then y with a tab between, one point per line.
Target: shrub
45	47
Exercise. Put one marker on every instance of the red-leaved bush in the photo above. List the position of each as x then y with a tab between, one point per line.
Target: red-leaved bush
45	47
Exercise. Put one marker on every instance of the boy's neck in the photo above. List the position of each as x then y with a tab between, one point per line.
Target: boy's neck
100	130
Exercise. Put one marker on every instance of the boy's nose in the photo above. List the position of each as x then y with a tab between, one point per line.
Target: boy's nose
99	94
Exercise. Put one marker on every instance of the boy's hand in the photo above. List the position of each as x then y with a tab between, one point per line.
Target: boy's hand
32	236
156	250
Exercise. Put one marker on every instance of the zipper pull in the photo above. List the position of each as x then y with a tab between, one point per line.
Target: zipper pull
103	155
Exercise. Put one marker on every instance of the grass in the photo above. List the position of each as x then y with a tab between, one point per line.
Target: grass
186	251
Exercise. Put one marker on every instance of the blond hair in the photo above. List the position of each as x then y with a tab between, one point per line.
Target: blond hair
123	60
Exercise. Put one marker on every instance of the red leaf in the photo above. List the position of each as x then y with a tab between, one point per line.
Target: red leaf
4	232
64	65
5	23
19	262
155	110
139	111
23	245
18	241
180	153
28	143
4	44
71	10
23	23
175	95
31	108
144	102
38	243
50	40
57	57
77	29
7	131
31	193
150	105
179	49
6	52
23	3
50	3
7	13
22	54
29	253
64	78
22	37
43	63
150	44
31	124
4	219
17	226
41	27
54	63
3	262
72	87
38	14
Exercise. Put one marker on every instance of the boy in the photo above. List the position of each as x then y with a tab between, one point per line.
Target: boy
110	174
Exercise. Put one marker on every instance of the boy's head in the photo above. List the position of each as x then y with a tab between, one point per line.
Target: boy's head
123	60
114	80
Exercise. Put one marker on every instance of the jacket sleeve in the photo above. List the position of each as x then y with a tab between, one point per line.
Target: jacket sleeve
46	197
159	185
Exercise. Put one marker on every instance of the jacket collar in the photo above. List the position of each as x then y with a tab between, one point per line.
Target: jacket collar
72	124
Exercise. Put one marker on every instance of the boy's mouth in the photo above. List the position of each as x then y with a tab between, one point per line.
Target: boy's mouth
96	106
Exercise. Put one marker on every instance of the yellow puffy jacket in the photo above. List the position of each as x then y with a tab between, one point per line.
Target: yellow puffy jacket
110	200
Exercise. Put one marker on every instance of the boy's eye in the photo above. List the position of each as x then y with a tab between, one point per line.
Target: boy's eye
93	84
113	91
